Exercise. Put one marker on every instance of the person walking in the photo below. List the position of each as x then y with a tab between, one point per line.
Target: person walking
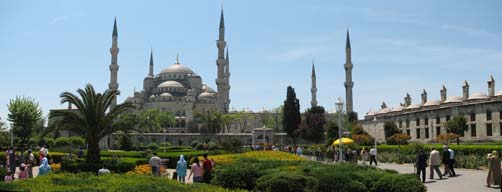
181	168
155	162
364	155
44	168
445	159
435	162
494	176
207	166
196	171
30	163
421	164
373	154
451	163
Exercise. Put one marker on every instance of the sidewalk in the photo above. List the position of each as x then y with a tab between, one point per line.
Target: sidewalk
466	179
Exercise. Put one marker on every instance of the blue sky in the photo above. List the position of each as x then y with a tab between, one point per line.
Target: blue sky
398	47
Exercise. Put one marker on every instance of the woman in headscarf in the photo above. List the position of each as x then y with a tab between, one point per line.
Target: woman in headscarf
494	175
181	169
44	168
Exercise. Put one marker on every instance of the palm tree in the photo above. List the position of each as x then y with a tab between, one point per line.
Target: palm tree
93	117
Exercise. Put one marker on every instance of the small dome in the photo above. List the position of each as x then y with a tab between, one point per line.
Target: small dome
206	95
152	96
414	106
384	110
453	99
432	103
478	96
177	68
166	95
208	89
398	108
170	84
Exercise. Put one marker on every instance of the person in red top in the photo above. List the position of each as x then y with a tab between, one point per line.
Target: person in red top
207	165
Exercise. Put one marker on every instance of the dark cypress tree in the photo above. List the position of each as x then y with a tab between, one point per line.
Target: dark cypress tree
291	114
314	120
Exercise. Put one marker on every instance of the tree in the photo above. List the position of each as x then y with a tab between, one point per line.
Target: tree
399	139
243	118
331	129
447	138
266	118
26	116
4	134
360	136
277	118
93	117
153	120
227	121
457	125
314	120
211	119
291	114
390	129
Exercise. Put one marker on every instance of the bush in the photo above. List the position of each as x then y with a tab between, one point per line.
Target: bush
153	146
77	141
62	142
212	146
286	182
110	182
399	183
116	166
194	143
232	144
237	176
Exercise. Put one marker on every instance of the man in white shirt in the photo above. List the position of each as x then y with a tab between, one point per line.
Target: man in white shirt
373	154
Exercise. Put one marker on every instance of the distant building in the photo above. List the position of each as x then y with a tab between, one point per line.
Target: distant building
423	121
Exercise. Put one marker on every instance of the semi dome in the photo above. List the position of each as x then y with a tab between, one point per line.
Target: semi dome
206	95
177	68
170	84
478	96
432	103
453	99
398	108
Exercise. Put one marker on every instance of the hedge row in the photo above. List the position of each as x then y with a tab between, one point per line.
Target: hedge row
285	176
113	182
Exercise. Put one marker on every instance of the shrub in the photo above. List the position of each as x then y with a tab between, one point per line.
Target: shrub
212	146
194	143
286	182
77	141
238	175
232	144
153	146
399	183
62	142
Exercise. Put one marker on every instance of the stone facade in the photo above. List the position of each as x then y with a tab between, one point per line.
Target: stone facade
424	122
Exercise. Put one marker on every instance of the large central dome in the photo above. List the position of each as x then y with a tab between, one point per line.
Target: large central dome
177	68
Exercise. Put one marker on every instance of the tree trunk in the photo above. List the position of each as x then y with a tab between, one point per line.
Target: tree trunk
93	150
458	141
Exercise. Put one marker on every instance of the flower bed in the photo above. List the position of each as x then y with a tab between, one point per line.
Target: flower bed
144	170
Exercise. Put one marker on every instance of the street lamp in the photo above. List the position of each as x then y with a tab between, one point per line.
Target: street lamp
339	111
375	122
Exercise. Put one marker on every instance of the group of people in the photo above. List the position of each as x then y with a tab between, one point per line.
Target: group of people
201	171
447	158
26	161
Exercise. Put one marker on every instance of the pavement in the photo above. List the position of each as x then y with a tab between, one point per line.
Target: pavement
471	180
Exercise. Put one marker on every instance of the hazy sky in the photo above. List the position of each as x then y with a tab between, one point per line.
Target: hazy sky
398	47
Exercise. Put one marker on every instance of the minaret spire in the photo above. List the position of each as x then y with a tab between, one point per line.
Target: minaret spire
348	75
221	62
313	89
177	58
150	72
114	67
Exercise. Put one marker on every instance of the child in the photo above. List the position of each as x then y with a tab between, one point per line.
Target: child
9	177
23	171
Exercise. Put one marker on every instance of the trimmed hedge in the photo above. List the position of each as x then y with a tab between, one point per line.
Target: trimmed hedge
283	175
112	182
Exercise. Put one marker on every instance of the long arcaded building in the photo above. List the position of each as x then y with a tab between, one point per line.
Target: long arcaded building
424	121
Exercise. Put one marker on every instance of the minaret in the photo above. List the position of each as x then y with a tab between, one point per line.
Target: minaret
465	90
313	90
348	75
424	97
443	94
221	62
150	71
227	82
114	68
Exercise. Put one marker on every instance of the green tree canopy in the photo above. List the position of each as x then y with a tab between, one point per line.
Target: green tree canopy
457	125
93	117
314	121
26	117
291	114
212	121
390	129
4	134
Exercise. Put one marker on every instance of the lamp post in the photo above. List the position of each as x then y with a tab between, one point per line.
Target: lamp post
375	122
339	111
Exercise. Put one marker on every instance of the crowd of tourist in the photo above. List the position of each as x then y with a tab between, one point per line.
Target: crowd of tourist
25	160
201	171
